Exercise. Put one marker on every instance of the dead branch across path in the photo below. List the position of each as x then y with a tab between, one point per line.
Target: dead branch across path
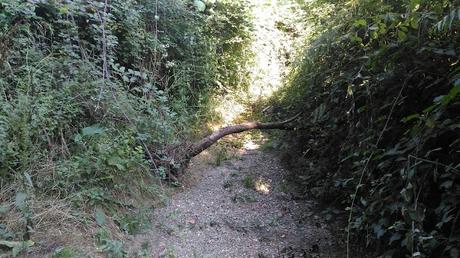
180	156
209	140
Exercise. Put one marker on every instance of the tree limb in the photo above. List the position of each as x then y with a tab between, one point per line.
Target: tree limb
206	142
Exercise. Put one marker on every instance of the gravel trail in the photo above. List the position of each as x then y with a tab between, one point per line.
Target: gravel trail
238	209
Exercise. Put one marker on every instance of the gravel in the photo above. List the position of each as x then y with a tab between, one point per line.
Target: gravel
239	209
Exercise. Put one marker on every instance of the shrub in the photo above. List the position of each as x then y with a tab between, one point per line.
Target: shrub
378	85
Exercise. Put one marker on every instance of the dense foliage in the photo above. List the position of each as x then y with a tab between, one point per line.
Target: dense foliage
378	84
95	96
93	92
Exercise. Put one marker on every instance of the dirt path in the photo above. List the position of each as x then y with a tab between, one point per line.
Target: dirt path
243	207
239	209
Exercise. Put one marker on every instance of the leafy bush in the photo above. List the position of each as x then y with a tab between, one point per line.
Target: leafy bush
93	94
231	28
139	69
379	86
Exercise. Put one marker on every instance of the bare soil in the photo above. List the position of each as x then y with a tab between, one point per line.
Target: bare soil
242	208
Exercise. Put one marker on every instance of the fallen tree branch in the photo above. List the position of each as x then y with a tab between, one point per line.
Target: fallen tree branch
206	142
180	156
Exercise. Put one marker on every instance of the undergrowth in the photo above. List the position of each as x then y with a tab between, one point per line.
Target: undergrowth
92	95
378	86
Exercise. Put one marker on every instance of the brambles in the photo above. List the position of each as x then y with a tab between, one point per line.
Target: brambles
381	84
93	94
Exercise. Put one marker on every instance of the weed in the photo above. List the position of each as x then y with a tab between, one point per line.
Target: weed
66	252
113	248
134	223
249	182
237	143
228	184
145	250
221	155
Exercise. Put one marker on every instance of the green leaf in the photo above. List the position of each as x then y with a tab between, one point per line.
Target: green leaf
430	123
17	246
394	237
28	179
378	231
453	93
64	9
92	130
319	113
4	209
200	6
406	193
350	90
402	36
117	162
100	217
78	138
414	23
447	21
20	200
410	118
414	5
356	39
360	23
9	244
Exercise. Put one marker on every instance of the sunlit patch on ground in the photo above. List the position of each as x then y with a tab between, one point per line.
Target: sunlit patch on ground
253	141
250	145
262	186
